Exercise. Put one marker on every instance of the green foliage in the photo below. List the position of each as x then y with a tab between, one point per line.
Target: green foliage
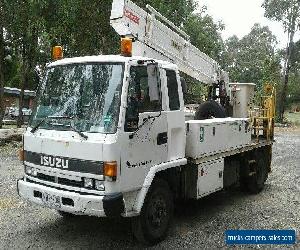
293	93
285	11
253	58
288	13
83	29
177	11
295	57
207	38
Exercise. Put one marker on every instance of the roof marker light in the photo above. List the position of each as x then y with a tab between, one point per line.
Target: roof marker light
126	46
57	53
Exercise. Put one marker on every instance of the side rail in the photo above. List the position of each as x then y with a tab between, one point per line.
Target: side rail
263	116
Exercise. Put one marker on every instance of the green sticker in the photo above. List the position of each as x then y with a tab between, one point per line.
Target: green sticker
201	134
107	120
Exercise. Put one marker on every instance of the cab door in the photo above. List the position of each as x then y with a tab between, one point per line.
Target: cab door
175	115
145	129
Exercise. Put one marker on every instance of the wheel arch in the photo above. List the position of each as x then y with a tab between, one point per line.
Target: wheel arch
163	170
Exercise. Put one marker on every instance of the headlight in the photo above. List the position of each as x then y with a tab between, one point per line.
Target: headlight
28	170
99	185
88	183
33	172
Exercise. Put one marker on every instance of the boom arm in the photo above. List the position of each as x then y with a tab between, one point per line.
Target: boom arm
156	37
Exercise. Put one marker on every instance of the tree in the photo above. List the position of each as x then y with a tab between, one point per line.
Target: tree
25	26
207	37
288	13
82	29
293	91
253	58
177	11
2	47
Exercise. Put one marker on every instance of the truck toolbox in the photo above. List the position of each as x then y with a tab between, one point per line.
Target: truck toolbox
208	137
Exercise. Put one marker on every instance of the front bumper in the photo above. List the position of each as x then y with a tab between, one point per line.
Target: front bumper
72	202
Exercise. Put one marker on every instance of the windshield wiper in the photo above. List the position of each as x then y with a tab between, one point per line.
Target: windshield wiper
78	132
38	125
47	117
59	117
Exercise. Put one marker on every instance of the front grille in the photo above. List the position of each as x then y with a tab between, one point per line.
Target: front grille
59	180
45	177
68	182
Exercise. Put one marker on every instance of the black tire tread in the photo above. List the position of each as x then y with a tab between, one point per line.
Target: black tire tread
209	107
138	227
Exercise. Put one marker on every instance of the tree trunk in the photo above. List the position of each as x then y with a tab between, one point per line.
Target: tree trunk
291	33
24	79
2	108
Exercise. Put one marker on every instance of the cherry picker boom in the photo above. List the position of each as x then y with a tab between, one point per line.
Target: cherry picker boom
156	37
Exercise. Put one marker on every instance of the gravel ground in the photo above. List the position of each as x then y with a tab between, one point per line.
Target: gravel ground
197	224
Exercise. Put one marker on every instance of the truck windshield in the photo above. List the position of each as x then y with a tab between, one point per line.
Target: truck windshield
85	97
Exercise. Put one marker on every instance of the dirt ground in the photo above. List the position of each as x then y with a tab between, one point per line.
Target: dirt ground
197	224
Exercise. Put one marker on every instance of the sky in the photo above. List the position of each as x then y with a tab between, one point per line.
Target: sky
239	17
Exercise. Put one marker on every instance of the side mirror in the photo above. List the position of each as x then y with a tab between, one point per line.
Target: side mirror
183	85
153	82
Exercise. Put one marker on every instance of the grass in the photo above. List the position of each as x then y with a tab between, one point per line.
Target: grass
293	118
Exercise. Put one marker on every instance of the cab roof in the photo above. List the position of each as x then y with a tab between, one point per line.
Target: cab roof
108	58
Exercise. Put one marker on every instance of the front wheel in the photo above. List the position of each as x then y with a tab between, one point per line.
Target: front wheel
151	226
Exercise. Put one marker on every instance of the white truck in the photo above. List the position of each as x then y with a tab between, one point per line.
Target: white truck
109	136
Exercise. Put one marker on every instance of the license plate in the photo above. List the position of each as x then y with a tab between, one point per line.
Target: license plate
51	200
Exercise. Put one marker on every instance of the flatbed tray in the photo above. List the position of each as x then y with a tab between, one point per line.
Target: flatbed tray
254	144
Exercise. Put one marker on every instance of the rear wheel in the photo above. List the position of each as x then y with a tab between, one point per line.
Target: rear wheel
151	226
209	109
258	172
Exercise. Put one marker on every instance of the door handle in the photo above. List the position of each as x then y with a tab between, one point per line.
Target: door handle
162	138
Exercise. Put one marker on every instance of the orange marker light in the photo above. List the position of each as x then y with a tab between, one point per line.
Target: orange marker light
110	169
57	52
21	155
126	46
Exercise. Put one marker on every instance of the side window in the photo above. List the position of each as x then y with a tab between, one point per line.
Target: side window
174	103
143	90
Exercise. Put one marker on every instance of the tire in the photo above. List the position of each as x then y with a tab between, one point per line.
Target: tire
256	182
152	225
208	110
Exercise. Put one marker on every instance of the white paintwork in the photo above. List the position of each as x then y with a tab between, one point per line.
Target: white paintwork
65	143
242	95
175	119
230	133
83	204
149	178
210	177
117	147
